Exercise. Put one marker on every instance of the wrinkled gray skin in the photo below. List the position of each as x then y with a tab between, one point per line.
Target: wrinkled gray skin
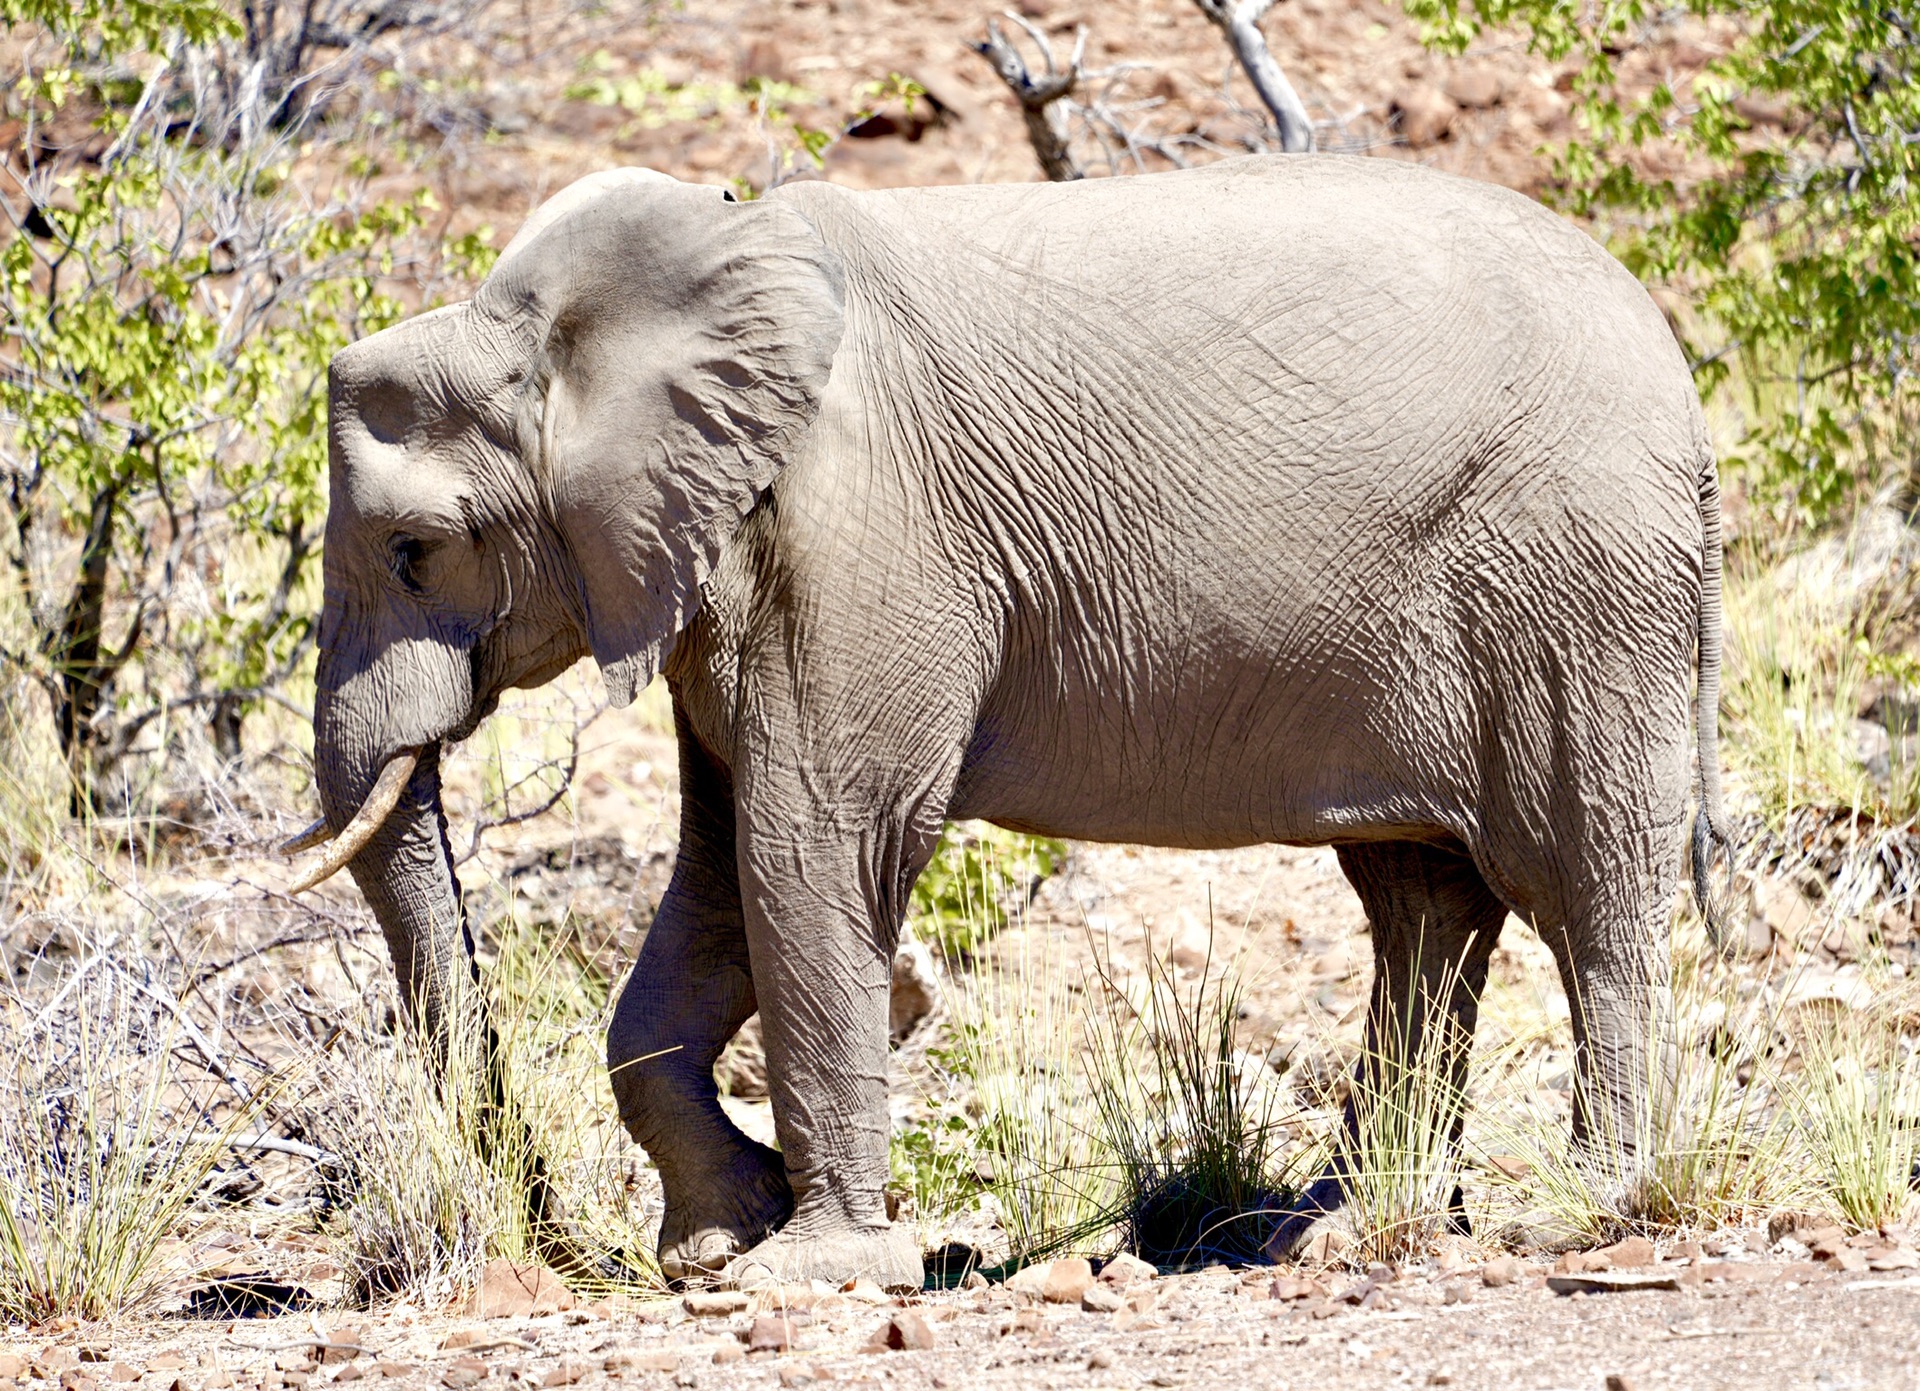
1321	501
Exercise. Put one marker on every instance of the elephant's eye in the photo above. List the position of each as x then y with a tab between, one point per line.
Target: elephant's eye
409	562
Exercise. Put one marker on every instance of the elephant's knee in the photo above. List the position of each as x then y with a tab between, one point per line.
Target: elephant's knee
661	1046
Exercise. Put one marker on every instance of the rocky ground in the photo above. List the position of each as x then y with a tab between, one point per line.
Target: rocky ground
1739	1310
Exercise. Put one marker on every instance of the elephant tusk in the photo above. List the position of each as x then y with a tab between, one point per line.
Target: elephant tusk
356	833
316	834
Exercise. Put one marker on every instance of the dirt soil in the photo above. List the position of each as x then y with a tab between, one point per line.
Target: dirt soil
1733	1321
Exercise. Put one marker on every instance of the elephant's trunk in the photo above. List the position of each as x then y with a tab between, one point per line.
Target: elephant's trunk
381	788
404	867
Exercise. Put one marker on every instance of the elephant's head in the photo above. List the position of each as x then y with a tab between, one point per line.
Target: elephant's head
546	470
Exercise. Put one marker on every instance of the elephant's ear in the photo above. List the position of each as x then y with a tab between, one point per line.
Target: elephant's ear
673	347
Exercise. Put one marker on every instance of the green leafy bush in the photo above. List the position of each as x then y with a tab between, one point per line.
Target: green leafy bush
1794	233
977	873
171	300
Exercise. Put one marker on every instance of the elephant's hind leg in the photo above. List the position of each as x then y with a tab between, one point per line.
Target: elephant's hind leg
690	992
1434	923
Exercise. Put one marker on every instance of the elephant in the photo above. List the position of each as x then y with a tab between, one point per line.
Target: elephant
1320	501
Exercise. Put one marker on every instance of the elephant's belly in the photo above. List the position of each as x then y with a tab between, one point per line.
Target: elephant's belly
1273	779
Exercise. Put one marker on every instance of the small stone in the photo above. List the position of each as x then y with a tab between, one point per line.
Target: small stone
1631	1254
798	1375
1124	1269
217	1380
458	1378
770	1333
1067	1279
93	1354
394	1369
1501	1271
622	1360
508	1290
353	1371
714	1304
1613	1281
1030	1280
1893	1258
1296	1287
121	1371
1101	1299
865	1291
728	1353
1617	1382
172	1360
906	1331
12	1366
974	1280
73	1379
1026	1321
787	1299
1457	1293
1824	1242
1099	1360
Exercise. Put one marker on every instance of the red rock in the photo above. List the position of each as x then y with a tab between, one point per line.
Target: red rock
715	1304
1296	1287
641	1360
1503	1271
1631	1254
906	1331
1125	1269
1067	1279
508	1290
770	1333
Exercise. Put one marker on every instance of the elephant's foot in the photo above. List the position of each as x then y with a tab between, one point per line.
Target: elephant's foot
1321	1210
889	1256
740	1204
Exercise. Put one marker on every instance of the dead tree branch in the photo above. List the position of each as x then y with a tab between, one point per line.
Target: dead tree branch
1239	20
1044	101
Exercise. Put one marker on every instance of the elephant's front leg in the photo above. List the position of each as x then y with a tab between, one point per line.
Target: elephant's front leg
823	908
690	992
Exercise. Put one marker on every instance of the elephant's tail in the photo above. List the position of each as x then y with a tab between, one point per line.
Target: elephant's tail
1710	823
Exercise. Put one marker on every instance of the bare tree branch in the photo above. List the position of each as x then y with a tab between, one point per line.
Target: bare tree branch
1044	101
1239	20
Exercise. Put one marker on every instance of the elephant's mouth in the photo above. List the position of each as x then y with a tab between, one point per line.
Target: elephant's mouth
361	827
